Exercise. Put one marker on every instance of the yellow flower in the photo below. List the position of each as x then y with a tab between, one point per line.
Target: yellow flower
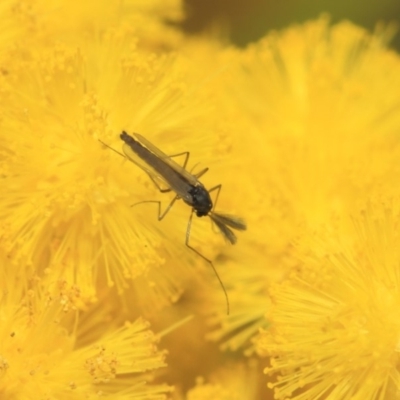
13	29
318	130
230	382
68	203
335	326
33	20
248	295
319	100
50	350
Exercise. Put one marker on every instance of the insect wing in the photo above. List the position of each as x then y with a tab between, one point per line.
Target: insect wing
132	156
167	159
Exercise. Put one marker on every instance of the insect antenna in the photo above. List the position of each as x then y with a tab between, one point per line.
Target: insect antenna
111	148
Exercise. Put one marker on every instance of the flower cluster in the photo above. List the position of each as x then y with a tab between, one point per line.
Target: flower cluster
100	299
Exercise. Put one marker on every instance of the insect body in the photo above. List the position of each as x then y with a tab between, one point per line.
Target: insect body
186	186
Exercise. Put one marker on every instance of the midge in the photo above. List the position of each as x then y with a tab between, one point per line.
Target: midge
186	186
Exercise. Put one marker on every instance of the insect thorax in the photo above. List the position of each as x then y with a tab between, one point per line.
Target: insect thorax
201	200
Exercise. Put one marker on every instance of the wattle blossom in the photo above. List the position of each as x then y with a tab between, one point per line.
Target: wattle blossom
230	382
50	349
321	136
334	330
69	197
300	128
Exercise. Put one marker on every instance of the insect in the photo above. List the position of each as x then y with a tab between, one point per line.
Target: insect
185	185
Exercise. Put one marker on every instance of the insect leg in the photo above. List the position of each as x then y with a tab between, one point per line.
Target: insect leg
162	190
188	229
201	173
187	155
218	187
161	215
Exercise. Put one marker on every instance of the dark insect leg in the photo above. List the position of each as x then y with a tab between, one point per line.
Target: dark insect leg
161	215
218	187
162	190
187	155
201	173
188	229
